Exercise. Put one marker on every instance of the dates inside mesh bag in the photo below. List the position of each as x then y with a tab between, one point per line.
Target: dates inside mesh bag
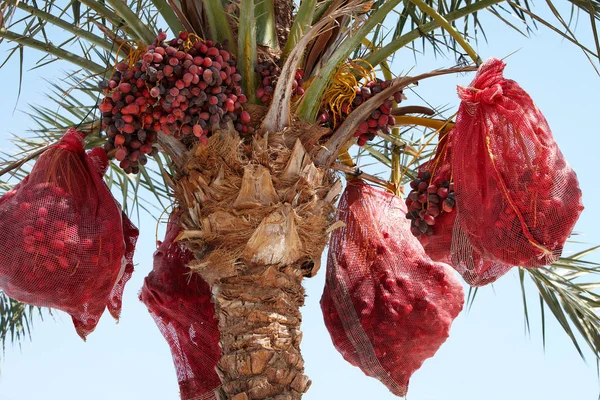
432	208
518	199
386	304
181	306
64	241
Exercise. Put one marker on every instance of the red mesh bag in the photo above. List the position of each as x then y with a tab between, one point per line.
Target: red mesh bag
387	306
431	208
181	306
431	202
518	199
62	239
99	160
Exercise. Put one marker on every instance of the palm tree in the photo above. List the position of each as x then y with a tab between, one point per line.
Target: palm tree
258	209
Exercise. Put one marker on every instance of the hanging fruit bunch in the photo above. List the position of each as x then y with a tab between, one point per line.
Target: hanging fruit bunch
269	72
387	306
183	87
182	309
432	195
431	208
346	93
518	199
64	241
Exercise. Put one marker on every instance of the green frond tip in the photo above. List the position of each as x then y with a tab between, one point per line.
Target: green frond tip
400	41
53	50
16	320
569	289
141	29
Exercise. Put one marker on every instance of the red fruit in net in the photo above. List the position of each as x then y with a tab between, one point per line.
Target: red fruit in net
50	268
387	306
182	309
476	271
509	174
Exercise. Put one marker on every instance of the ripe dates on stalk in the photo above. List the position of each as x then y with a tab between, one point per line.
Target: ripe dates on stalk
380	119
183	88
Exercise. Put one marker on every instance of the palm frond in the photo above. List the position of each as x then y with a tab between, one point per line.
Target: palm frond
568	288
33	24
411	24
16	320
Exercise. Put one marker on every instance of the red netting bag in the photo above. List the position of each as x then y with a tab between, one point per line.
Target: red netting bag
62	239
518	199
99	160
387	306
431	202
432	212
181	306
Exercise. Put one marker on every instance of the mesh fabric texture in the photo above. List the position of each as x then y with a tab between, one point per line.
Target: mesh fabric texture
62	241
386	304
517	197
180	303
477	271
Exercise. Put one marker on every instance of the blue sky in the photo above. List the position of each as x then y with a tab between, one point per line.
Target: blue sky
488	355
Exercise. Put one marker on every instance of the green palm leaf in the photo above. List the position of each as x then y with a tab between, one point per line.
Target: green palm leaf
568	288
16	320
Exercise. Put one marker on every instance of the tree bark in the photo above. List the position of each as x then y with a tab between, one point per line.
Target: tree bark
259	320
258	218
284	19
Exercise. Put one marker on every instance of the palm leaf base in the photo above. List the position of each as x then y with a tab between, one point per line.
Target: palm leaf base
257	216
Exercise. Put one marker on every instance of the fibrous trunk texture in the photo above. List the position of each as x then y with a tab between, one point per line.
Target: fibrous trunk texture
260	334
283	19
257	216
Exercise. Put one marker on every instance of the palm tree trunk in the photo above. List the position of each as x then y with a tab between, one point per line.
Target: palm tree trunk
283	19
259	320
258	218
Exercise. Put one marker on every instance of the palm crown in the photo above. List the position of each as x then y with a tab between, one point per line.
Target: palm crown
318	36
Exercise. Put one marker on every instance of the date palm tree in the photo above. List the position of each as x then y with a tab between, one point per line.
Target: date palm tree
257	210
